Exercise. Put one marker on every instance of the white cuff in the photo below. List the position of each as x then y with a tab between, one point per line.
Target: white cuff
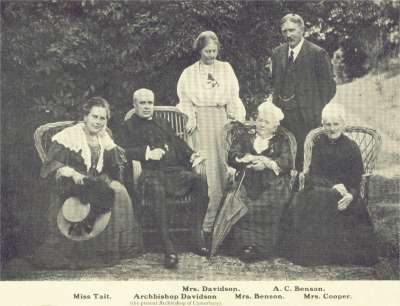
146	155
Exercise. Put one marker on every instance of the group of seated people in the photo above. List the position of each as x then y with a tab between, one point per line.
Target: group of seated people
95	212
92	219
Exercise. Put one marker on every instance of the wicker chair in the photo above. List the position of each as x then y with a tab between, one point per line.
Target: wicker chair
369	142
181	216
44	133
234	129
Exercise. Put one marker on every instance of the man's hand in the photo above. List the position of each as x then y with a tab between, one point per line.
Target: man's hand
340	188
345	201
156	154
196	159
194	156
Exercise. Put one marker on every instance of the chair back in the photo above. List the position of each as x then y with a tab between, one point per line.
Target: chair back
175	117
367	139
44	133
234	129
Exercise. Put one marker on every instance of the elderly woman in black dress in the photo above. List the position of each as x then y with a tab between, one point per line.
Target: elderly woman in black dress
264	158
330	224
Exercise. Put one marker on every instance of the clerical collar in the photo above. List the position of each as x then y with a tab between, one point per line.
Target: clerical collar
296	50
141	118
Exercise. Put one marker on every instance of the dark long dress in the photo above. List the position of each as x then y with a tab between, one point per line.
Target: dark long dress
320	233
122	238
263	192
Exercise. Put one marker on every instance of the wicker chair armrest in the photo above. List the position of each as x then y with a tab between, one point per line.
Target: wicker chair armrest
364	186
122	162
39	133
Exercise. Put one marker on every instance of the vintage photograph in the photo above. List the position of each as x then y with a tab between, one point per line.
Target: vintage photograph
150	140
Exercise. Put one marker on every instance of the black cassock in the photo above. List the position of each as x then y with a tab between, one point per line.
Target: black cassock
172	175
173	171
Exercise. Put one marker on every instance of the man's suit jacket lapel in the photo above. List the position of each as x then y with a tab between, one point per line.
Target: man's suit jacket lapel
284	57
303	51
282	60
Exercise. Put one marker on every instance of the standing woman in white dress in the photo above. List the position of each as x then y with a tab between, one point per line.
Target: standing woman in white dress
208	92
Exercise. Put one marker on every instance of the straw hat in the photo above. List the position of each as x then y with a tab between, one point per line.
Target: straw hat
73	211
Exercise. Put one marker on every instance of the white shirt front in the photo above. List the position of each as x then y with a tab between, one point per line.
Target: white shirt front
296	50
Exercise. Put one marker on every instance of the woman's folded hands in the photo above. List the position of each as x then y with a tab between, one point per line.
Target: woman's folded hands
259	163
77	177
347	197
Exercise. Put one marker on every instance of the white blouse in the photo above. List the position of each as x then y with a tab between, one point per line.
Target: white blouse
210	86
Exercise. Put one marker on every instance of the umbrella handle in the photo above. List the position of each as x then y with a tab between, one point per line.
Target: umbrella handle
240	183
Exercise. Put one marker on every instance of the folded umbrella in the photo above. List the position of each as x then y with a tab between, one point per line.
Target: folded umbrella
231	211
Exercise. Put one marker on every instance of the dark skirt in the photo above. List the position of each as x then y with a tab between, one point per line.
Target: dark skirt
260	226
122	238
318	233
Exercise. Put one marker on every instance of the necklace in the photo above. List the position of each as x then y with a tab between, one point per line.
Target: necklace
92	140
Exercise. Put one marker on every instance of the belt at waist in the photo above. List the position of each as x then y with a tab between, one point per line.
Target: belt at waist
210	106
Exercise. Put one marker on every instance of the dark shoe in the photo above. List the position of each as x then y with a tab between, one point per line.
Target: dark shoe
249	254
170	261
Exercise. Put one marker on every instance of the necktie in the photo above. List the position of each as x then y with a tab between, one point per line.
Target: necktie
291	57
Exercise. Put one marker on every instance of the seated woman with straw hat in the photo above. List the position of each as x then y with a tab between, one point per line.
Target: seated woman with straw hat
90	217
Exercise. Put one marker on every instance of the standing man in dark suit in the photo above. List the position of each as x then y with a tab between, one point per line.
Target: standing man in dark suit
302	80
166	165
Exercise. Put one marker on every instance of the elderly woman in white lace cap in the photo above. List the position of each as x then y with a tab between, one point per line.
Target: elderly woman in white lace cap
330	223
264	158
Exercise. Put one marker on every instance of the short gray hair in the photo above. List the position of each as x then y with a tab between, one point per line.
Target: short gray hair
333	110
297	19
141	91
